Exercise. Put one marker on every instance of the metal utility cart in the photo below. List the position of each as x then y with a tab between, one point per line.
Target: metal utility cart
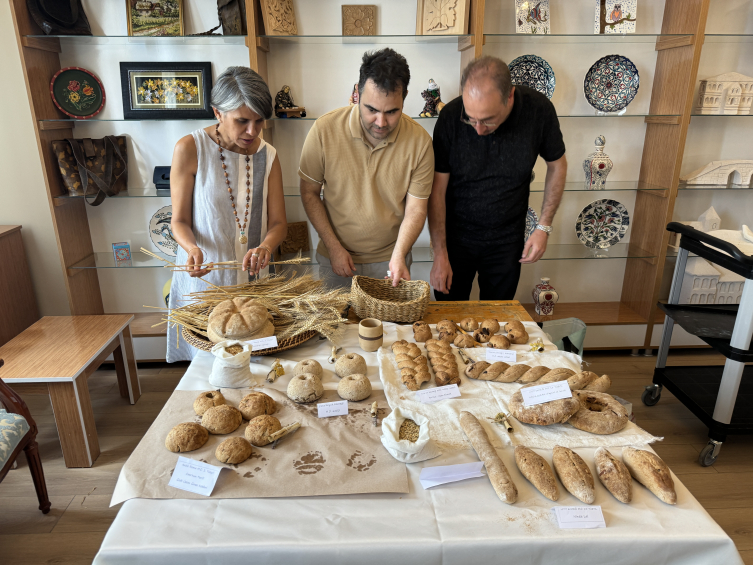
722	397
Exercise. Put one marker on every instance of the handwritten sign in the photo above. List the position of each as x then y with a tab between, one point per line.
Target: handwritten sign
433	476
432	395
194	476
338	408
504	355
263	343
539	394
579	517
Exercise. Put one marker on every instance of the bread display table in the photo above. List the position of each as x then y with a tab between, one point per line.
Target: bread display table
56	356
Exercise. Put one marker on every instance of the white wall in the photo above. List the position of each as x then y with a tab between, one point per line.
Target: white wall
23	195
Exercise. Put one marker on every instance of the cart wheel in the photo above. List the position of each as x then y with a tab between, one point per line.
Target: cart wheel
651	395
707	457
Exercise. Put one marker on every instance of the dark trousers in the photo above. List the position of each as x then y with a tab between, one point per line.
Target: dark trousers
498	271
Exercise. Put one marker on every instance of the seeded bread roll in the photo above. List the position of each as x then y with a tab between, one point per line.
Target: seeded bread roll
648	469
207	400
256	404
259	429
574	473
310	366
186	437
499	342
222	419
233	450
495	468
613	475
535	468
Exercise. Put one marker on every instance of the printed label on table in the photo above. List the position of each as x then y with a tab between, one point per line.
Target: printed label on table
432	395
194	476
433	476
579	517
338	408
263	343
504	355
545	393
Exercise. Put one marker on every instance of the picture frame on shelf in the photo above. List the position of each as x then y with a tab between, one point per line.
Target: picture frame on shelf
155	19
359	19
166	91
615	16
532	16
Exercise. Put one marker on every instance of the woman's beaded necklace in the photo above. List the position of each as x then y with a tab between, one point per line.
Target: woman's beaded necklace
243	238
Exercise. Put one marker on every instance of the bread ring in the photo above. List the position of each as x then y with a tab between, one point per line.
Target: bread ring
580	380
474	370
491	325
600	413
310	366
555	375
602	384
545	414
517	336
352	364
499	342
533	374
207	400
469	324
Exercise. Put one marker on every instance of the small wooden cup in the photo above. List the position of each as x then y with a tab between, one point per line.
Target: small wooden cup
370	334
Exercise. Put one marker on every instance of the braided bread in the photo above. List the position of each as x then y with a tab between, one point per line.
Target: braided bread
443	362
403	346
414	369
500	372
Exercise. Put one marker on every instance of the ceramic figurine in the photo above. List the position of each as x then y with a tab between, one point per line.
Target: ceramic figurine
732	93
353	100
532	16
285	107
544	297
434	103
615	16
710	220
597	166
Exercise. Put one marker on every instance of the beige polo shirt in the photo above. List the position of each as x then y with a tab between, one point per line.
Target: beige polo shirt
365	187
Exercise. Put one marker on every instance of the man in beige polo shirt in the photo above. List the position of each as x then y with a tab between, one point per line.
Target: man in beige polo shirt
376	167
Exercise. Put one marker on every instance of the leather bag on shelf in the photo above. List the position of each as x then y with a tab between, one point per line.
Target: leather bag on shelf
93	167
59	17
232	16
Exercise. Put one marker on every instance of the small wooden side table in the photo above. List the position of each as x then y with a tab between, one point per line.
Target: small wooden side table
56	356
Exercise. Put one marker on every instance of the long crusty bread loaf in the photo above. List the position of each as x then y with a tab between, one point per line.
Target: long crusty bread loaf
574	473
535	468
653	473
498	475
614	475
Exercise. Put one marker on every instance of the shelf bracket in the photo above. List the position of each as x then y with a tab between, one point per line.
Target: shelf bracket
674	42
666	120
81	266
262	43
466	42
51	44
45	125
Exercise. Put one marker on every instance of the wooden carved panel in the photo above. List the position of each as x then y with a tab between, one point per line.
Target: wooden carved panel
442	17
279	17
359	19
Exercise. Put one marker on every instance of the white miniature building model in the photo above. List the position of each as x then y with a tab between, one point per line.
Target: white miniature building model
699	283
729	288
730	93
731	174
710	220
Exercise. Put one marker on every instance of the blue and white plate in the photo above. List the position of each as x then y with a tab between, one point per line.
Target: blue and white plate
161	231
534	72
611	83
602	223
532	221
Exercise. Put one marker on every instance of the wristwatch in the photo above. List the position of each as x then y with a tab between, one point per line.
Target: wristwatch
546	229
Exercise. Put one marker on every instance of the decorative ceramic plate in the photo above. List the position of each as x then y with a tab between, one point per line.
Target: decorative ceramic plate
534	72
161	231
602	223
611	83
77	93
532	221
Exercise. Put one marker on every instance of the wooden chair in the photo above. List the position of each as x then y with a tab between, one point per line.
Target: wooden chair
18	432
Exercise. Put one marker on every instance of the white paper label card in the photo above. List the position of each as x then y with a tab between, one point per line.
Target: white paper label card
263	343
579	517
433	476
546	393
432	395
327	409
194	476
504	355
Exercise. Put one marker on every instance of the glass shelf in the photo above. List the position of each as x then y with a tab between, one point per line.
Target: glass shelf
593	115
95	120
714	187
361	39
130	193
728	38
147	40
722	115
577	38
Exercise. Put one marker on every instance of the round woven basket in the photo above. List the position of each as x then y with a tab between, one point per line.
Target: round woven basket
200	342
377	298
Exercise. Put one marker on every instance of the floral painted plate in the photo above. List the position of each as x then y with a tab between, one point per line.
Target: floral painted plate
161	231
602	223
532	221
611	83
534	72
77	93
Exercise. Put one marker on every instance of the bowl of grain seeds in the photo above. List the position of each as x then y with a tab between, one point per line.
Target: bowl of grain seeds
406	437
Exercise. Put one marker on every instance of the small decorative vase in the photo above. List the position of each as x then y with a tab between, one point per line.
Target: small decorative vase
597	166
544	297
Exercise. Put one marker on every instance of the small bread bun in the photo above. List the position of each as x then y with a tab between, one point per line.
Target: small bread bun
186	437
482	335
499	342
516	325
258	430
469	324
310	366
222	419
207	400
233	450
305	388
256	404
354	387
464	340
517	336
446	326
491	325
351	364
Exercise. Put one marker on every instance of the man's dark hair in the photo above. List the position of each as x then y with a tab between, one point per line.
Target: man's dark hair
489	67
387	68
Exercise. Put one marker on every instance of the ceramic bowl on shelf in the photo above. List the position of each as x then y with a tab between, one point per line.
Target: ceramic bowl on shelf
602	223
534	72
161	232
611	83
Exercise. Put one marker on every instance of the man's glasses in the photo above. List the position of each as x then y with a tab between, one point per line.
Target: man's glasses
473	123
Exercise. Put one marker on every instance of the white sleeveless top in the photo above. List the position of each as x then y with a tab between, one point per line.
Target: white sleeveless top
214	225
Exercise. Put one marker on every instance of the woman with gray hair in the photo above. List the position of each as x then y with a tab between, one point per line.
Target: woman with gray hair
226	190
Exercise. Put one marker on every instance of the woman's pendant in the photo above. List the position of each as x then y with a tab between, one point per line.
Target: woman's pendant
243	239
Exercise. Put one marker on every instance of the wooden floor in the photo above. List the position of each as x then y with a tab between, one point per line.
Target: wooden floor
73	530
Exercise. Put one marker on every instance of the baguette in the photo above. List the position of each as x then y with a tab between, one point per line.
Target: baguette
613	475
574	473
535	468
495	468
653	473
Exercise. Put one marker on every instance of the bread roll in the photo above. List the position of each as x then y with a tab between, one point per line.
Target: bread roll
421	331
464	340
305	388
482	335
237	319
186	437
574	473
354	388
259	429
256	404
535	468
515	325
233	450
222	419
517	336
351	364
469	324
499	342
648	469
613	475
207	400
310	366
491	325
446	326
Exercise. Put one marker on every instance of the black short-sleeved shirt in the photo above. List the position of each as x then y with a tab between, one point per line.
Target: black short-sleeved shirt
490	175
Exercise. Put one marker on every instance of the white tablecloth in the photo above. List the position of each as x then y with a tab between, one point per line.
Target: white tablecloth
462	523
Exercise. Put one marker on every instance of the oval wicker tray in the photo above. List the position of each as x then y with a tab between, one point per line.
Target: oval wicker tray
200	342
377	298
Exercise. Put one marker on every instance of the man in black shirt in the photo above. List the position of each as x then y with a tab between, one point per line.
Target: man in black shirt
486	143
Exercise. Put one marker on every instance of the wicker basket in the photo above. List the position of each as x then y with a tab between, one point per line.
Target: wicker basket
200	342
377	298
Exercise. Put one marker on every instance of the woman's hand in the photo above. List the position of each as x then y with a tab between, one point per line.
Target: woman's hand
256	259
195	258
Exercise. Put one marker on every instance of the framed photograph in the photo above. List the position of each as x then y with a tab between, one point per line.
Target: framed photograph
157	19
166	91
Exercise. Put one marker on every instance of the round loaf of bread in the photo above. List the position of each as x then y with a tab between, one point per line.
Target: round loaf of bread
545	414
574	473
233	450
207	400
258	430
305	388
267	330
237	319
600	413
491	325
222	419
613	475
499	342
351	364
256	404
354	387
310	366
469	324
186	437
